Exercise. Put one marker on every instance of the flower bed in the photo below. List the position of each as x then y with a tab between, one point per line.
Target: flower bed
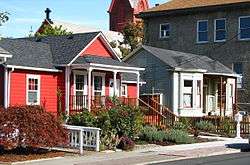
21	154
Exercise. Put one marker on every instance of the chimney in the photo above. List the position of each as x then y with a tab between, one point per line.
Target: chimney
157	4
48	11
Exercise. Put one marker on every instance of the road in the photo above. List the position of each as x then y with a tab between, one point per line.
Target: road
242	158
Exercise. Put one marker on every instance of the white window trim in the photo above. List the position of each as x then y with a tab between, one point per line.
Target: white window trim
83	73
38	90
197	32
103	75
239	34
126	90
224	40
163	37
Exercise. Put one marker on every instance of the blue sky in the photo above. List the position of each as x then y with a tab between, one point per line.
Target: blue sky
27	13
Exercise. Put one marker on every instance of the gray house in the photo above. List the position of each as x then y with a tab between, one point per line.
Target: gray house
219	29
190	85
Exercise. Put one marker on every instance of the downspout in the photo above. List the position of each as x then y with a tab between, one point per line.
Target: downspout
12	70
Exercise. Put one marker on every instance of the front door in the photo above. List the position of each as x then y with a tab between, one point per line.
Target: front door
99	89
80	97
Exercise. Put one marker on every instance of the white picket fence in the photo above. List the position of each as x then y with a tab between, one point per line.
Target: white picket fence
80	137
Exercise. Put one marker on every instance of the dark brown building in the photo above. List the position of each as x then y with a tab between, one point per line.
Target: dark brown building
219	29
122	12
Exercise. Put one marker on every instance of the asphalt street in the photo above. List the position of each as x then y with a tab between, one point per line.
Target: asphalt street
242	158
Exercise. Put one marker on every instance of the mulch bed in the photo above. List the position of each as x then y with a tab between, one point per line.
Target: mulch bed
21	154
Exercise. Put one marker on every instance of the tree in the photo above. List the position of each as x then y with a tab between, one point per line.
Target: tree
53	31
133	34
4	17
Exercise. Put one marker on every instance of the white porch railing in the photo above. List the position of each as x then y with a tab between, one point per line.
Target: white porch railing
80	137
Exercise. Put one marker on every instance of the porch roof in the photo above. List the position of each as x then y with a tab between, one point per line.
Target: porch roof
105	63
86	59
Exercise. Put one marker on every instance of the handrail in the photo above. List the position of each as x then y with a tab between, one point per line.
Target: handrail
151	108
167	109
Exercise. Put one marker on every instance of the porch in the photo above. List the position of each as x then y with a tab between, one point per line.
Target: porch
91	85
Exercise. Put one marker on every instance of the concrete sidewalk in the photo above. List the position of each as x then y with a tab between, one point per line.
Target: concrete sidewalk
149	155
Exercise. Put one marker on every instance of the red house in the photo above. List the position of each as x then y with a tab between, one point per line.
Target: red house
72	72
122	12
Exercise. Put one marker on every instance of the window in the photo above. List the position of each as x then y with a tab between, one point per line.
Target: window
80	98
220	30
124	90
188	94
98	85
164	30
244	28
202	31
33	90
238	68
198	97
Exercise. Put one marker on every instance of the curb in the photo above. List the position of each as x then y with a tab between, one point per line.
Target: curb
190	157
33	161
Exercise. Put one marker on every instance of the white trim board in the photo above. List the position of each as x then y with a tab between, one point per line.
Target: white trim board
33	68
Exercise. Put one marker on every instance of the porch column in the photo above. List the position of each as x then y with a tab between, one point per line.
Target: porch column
221	86
138	87
6	87
115	83
67	89
89	88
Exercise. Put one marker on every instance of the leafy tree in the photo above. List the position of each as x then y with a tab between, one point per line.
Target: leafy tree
4	17
133	34
53	31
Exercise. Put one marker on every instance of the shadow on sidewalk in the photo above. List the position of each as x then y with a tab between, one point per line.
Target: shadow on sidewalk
244	147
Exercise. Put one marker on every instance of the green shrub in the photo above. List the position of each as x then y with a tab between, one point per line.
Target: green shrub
151	134
84	118
205	126
126	121
180	126
179	137
227	125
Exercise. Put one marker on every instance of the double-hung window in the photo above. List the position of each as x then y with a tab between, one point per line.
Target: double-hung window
238	68
244	28
164	30
220	30
33	90
188	94
202	31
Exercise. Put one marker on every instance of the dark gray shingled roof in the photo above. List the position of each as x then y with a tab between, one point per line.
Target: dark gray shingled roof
3	51
28	53
46	52
175	59
99	60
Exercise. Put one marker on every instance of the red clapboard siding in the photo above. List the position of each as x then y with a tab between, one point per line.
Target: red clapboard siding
1	86
49	83
98	48
132	90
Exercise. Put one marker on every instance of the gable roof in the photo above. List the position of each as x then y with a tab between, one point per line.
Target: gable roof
50	51
188	4
185	61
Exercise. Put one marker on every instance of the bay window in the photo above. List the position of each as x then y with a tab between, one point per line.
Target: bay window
188	94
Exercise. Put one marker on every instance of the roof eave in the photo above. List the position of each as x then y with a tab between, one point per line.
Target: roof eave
149	13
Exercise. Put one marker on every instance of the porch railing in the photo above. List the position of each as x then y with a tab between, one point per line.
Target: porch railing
78	103
80	137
